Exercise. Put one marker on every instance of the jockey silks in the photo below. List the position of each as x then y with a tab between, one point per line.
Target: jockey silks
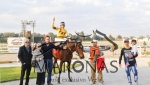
61	33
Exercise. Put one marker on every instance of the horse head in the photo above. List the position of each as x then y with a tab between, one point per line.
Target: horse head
80	49
76	46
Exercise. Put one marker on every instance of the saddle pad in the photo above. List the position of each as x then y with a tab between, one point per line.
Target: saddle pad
57	53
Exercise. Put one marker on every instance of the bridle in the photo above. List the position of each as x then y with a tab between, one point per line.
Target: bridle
75	47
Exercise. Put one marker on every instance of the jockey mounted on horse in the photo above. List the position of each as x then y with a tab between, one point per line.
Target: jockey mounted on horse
61	35
61	31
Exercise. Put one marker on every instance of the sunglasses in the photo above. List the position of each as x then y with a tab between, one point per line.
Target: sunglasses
26	42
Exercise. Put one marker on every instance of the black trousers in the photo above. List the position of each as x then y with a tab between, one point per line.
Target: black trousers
39	78
25	68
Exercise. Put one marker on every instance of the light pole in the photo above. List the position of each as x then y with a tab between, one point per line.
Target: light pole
23	28
32	23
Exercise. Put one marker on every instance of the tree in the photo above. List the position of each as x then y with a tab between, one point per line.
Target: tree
119	37
88	38
98	37
1	34
16	35
52	36
131	37
21	34
8	34
72	36
82	33
141	37
1	37
37	35
95	36
111	37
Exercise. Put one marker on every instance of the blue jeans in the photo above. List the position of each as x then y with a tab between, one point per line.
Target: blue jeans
48	67
135	72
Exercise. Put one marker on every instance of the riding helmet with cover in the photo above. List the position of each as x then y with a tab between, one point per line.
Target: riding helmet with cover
62	23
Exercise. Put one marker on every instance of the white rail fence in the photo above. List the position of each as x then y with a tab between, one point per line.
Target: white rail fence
3	48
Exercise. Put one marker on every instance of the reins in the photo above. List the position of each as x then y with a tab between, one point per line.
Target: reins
70	48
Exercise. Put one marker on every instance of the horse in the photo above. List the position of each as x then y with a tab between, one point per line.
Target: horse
67	54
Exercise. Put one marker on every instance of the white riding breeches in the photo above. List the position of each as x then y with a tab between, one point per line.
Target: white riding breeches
60	39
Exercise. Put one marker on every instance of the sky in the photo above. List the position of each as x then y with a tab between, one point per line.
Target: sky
116	17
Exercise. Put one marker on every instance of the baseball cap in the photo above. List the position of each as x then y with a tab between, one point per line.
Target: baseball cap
126	40
94	41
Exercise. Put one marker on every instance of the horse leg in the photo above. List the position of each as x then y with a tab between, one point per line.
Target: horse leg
60	70
68	66
54	64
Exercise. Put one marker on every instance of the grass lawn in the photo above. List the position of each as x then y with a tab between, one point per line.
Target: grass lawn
13	73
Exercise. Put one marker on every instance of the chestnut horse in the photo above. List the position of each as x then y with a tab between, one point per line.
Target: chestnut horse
67	54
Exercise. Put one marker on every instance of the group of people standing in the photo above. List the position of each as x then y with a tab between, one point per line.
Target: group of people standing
42	54
43	57
129	53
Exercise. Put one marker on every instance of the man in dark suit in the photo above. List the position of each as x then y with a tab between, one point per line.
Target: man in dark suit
25	56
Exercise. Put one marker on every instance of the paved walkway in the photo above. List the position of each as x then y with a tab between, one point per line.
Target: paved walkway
10	65
118	78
